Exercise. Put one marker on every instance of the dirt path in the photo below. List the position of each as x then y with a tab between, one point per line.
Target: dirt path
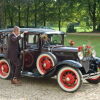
45	89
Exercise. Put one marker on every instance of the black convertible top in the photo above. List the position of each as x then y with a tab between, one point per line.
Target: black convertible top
34	31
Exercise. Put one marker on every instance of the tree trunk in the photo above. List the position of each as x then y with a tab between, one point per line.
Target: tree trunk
19	19
35	14
5	15
44	14
59	15
27	21
10	16
94	24
94	16
1	14
92	13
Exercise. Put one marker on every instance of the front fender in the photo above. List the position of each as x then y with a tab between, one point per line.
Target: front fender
97	59
71	63
55	69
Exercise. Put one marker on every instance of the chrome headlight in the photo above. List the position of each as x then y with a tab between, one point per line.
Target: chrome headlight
94	53
80	55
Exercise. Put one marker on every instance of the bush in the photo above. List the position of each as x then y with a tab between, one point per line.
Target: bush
98	28
71	29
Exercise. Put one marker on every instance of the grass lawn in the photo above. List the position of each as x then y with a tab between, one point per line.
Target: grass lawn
94	41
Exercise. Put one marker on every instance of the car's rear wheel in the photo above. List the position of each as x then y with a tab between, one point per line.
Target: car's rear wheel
5	69
69	79
45	62
94	80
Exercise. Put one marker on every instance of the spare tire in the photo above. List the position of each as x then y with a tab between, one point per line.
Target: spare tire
45	62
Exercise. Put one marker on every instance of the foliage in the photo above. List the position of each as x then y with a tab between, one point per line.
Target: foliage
59	13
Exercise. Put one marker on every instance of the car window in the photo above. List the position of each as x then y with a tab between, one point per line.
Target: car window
5	40
1	38
32	39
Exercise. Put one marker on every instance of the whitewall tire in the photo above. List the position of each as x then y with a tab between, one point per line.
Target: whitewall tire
45	62
5	69
69	79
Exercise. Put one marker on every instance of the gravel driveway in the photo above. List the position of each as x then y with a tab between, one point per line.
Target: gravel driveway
45	89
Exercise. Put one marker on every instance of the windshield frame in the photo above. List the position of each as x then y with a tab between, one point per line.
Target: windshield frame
62	39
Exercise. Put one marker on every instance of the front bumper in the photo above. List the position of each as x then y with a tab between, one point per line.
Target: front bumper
88	76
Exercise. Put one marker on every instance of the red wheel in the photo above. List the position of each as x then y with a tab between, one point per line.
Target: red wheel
69	79
28	59
94	80
5	69
45	62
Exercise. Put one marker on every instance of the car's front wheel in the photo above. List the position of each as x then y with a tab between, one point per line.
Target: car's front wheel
5	69
69	79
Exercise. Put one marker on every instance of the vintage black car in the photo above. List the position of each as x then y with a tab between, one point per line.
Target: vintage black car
43	54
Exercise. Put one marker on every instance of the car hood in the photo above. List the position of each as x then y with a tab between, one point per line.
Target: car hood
65	49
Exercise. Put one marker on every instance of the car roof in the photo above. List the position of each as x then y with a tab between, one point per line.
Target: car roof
34	31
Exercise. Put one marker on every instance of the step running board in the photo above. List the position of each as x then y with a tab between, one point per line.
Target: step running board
30	74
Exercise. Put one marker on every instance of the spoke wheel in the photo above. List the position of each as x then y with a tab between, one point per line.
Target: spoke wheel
69	79
45	62
4	69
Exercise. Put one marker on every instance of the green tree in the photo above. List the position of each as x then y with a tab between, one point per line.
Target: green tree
92	8
1	14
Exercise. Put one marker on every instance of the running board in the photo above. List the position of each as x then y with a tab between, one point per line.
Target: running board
30	74
92	75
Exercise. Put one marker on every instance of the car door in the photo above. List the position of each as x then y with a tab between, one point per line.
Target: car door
30	51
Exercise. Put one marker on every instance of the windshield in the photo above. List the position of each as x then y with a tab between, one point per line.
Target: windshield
56	39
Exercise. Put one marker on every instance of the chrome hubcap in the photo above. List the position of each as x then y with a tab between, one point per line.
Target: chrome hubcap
67	79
